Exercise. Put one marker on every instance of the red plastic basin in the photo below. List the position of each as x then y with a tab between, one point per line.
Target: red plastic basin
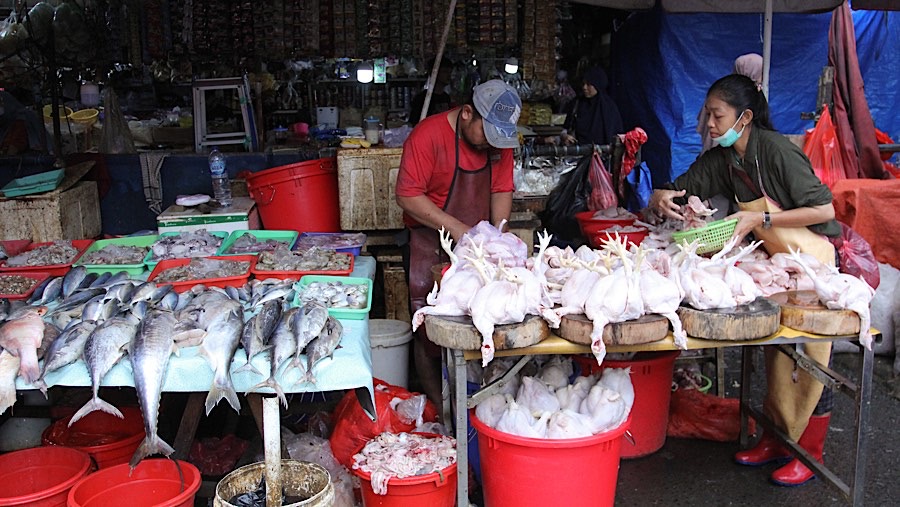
41	476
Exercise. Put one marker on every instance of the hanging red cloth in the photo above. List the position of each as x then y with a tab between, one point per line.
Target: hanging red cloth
633	141
855	127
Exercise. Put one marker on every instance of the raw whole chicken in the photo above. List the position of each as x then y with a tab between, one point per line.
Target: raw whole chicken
568	424
840	291
663	296
571	396
517	420
619	380
497	302
535	397
605	408
556	372
490	410
498	246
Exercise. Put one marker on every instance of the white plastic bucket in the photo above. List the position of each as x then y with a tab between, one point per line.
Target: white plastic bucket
390	350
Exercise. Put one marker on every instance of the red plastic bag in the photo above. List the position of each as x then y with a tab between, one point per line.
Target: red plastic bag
821	147
353	428
693	414
603	195
857	258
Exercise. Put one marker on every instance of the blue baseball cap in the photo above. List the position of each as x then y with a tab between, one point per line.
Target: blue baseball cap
500	107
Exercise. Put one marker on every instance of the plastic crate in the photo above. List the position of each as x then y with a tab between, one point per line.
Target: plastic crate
354	240
131	269
55	269
150	262
231	281
263	274
338	313
38	277
712	237
286	237
14	247
34	184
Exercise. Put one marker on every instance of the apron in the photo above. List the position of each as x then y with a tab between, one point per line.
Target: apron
469	201
789	401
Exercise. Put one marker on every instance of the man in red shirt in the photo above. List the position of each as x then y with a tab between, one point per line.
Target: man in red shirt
456	171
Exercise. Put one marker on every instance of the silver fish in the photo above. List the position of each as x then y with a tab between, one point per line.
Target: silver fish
309	323
73	280
102	350
257	331
98	309
120	292
38	293
233	293
143	292
101	279
150	352
169	301
65	349
321	347
78	299
219	344
184	299
284	346
87	281
52	291
160	293
21	335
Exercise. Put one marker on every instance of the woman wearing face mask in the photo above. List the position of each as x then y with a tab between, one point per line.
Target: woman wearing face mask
782	202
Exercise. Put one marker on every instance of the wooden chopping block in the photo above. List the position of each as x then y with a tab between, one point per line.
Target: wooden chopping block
459	333
802	310
576	328
758	319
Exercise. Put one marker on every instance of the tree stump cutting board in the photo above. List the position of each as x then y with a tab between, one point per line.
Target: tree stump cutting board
459	333
802	310
745	322
576	328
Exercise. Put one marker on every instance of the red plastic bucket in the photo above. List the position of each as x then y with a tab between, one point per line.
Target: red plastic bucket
154	483
108	439
433	490
41	476
520	471
298	197
651	376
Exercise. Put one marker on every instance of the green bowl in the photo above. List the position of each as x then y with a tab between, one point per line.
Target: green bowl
151	263
338	313
286	237
131	269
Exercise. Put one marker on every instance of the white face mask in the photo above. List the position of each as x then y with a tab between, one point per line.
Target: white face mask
730	136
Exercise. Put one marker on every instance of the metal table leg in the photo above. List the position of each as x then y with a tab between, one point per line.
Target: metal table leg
746	371
460	396
863	404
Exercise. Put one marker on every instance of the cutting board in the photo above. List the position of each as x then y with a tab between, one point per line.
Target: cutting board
802	310
576	328
758	319
459	333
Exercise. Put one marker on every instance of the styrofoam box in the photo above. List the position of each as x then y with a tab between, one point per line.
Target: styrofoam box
241	215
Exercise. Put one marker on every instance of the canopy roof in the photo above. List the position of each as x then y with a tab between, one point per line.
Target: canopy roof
742	6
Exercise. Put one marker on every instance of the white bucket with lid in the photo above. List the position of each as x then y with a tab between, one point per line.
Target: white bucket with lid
390	350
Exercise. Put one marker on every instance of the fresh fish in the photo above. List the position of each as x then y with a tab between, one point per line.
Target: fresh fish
101	279
87	281
143	292
66	349
233	293
169	301
150	352
140	309
115	279
4	309
21	335
51	333
309	323
52	291
121	292
188	333
98	309
66	318
276	293
284	345
160	292
79	298
102	350
257	331
184	299
9	369
219	344
321	347
38	293
73	280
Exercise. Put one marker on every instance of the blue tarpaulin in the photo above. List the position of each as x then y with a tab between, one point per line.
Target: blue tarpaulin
663	64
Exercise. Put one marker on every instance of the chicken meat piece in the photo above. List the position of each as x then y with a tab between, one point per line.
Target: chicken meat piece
490	410
662	295
536	397
21	336
605	409
566	424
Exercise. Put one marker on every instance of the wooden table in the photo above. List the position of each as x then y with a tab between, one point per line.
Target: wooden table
784	338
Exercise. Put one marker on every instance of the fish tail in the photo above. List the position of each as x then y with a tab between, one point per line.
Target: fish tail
222	389
248	367
40	384
151	445
272	384
95	404
307	377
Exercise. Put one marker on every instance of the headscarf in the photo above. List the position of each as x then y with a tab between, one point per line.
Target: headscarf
750	65
597	119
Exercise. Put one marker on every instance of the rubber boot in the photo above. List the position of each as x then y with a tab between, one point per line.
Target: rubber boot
796	473
767	450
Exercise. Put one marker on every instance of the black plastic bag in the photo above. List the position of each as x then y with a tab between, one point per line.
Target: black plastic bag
569	197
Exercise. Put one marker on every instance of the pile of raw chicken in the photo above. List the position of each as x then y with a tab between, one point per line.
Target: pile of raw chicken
548	406
492	279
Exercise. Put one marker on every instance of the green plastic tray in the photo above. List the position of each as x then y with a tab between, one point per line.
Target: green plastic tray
338	313
286	237
34	184
131	269
150	263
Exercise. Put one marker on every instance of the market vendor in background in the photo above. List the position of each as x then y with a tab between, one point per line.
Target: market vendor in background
456	170
21	129
595	118
782	202
440	99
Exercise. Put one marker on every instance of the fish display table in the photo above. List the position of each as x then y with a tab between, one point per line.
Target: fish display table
783	338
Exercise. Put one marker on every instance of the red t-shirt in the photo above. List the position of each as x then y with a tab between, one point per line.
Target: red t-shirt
429	159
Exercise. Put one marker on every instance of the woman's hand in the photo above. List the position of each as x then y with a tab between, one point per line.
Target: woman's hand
747	221
663	201
568	139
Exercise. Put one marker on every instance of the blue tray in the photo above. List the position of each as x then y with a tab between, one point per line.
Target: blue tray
34	184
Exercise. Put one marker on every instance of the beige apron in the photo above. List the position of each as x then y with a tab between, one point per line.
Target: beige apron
789	402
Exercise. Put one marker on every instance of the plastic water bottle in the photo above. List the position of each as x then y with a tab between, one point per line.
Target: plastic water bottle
221	185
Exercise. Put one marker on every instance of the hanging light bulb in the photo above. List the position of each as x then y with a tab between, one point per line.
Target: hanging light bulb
365	72
512	65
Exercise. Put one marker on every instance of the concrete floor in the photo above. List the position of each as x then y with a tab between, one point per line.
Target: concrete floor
695	472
